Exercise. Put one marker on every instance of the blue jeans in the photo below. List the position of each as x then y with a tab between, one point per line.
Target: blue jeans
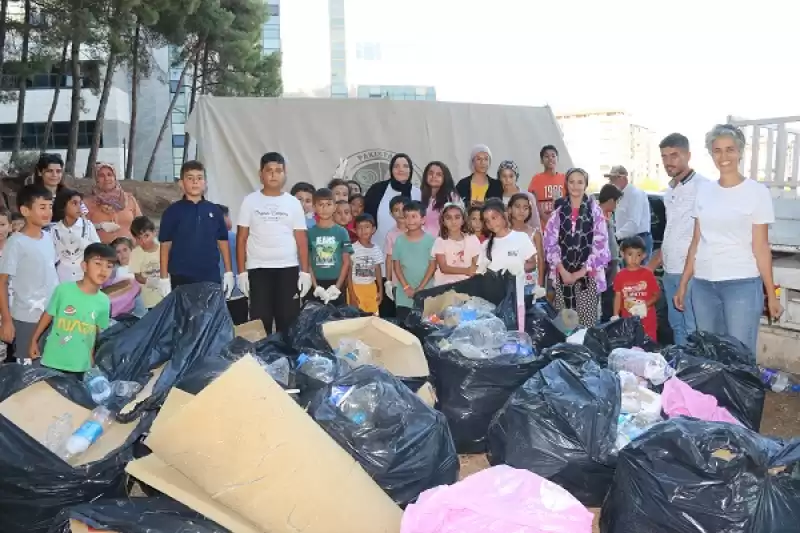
681	322
731	307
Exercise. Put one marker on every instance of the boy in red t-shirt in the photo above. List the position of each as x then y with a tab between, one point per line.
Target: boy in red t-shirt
636	288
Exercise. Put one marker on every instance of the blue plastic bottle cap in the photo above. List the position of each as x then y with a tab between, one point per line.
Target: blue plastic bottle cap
302	358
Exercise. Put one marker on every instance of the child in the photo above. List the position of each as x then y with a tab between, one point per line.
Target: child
305	193
145	261
396	206
506	249
344	217
71	234
78	311
366	284
411	256
455	250
5	231
356	205
129	300
476	227
272	249
17	222
330	249
355	190
237	303
520	213
636	288
29	260
340	190
193	236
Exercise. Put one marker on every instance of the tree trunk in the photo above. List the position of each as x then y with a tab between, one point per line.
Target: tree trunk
75	109
62	70
134	102
23	81
204	85
186	137
3	30
164	124
97	134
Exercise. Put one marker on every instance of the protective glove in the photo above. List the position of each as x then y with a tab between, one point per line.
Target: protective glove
304	283
483	264
108	226
153	283
613	318
244	284
227	284
321	294
388	288
165	286
539	292
333	293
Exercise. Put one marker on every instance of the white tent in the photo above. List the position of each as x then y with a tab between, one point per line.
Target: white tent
314	133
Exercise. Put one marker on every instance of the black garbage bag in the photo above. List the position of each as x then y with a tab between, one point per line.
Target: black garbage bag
188	325
403	444
720	366
306	332
470	391
562	425
686	476
540	326
35	484
136	515
574	354
621	333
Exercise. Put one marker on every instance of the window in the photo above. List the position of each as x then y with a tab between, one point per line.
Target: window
33	136
178	116
51	78
338	46
375	91
173	86
271	45
338	54
336	9
274	10
178	141
271	32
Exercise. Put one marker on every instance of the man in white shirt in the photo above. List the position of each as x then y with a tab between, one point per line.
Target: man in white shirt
679	201
632	217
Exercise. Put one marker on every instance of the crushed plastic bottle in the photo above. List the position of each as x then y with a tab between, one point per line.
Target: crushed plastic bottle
355	352
316	367
125	389
567	321
356	403
88	433
58	432
779	381
98	385
479	339
628	428
518	346
648	365
280	371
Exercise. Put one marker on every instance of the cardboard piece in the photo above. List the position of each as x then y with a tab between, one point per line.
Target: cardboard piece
76	526
245	455
434	305
253	331
117	288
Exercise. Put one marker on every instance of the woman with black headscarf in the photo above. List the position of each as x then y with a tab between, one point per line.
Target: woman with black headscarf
576	246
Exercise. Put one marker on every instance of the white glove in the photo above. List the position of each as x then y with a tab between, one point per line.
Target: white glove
388	288
304	283
244	283
165	286
26	362
108	226
640	310
153	283
483	265
613	318
333	293
322	294
539	292
227	284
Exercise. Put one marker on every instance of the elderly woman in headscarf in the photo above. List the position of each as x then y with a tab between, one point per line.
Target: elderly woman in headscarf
111	209
478	187
576	246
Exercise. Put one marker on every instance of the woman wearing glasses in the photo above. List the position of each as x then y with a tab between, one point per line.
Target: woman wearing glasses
110	208
576	246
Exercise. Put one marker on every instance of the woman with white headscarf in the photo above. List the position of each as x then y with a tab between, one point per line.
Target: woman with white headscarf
478	187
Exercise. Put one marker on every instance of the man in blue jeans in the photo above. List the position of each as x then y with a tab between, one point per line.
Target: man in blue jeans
679	203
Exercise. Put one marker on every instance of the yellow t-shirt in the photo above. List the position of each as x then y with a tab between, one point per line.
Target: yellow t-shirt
148	265
478	193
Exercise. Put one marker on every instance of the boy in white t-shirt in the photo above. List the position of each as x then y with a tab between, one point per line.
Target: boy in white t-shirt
272	249
366	289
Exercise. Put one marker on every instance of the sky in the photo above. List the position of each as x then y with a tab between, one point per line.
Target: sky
676	66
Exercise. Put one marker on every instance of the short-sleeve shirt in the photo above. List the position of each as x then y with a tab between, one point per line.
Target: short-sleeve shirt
459	254
547	188
364	262
31	265
515	247
326	247
414	258
194	230
478	193
637	287
147	265
76	317
272	221
726	216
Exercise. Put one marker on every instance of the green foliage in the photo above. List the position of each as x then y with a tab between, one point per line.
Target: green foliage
21	163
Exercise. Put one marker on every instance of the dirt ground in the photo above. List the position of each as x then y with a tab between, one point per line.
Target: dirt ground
153	197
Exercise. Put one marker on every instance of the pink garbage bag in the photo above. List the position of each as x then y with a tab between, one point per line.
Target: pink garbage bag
679	399
500	499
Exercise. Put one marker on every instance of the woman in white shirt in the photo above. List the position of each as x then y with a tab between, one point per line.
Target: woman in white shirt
730	257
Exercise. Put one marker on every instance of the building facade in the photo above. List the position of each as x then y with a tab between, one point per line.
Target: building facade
338	49
397	92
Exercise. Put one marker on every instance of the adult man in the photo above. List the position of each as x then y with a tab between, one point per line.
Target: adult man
633	211
549	185
679	203
608	199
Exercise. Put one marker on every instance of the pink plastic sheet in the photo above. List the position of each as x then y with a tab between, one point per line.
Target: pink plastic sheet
679	399
500	499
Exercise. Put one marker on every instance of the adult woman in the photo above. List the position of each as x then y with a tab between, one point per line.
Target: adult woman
478	187
730	257
438	189
576	245
110	208
508	176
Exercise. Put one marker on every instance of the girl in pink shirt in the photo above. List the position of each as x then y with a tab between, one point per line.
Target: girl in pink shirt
456	251
437	189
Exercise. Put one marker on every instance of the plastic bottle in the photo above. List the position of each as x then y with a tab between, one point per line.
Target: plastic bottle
356	403
518	346
355	352
98	385
125	389
779	381
57	434
88	433
567	321
648	365
479	339
316	367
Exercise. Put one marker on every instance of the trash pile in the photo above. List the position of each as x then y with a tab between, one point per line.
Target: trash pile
353	423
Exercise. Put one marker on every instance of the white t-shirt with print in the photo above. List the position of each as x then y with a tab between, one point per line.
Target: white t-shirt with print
726	217
272	221
514	247
364	262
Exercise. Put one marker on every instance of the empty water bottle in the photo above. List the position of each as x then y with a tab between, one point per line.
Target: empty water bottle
98	385
648	365
356	403
125	389
518	346
316	367
779	381
88	433
479	339
57	434
354	352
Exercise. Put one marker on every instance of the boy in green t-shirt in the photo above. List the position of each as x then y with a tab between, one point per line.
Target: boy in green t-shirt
330	249
411	255
77	310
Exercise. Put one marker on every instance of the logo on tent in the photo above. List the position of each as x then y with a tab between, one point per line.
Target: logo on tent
371	166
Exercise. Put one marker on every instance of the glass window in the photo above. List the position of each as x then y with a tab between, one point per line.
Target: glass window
338	54
336	8
178	141
273	10
271	44
271	32
178	117
337	35
339	46
375	91
173	86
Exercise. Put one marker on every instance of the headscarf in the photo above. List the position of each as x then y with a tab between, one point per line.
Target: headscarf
507	164
575	246
403	188
115	198
477	149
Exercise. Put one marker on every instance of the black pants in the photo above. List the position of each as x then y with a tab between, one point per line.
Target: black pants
325	283
274	297
387	309
176	280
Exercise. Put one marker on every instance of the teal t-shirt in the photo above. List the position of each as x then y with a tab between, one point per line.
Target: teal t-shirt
326	247
414	258
76	317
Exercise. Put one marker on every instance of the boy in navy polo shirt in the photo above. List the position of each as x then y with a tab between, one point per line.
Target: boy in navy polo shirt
193	236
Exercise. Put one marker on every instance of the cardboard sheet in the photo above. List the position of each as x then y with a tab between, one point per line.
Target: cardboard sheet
79	527
249	447
253	331
436	304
